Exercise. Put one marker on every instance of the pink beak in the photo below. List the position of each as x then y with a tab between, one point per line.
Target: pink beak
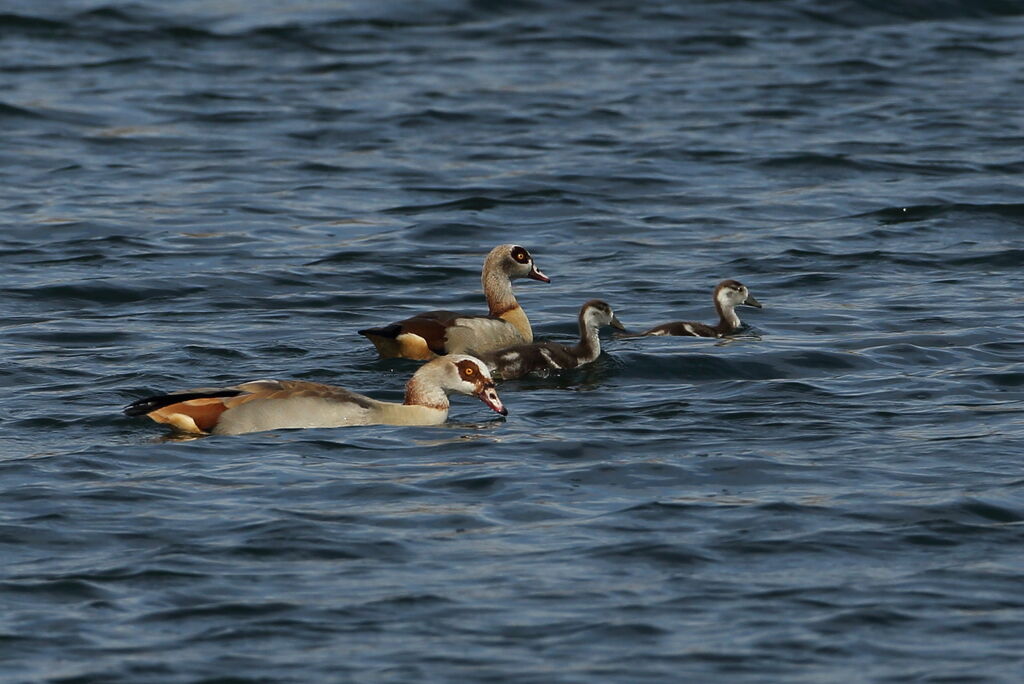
489	396
537	275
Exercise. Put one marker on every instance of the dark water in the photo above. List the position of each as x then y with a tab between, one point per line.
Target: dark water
195	193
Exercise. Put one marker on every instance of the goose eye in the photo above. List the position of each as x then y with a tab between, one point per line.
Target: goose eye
520	255
468	371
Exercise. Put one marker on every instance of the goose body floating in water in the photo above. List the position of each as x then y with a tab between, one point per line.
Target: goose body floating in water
276	404
434	333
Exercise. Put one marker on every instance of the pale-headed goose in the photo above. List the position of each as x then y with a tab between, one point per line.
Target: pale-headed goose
432	333
275	404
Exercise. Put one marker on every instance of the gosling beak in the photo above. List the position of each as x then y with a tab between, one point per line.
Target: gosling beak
617	324
489	396
750	301
537	275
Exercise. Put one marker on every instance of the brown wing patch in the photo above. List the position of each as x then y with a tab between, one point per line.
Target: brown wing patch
431	327
288	389
194	415
200	414
395	340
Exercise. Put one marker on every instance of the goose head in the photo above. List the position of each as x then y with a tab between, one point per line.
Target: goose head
469	375
515	262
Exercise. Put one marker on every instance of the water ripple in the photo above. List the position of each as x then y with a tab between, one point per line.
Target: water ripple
199	196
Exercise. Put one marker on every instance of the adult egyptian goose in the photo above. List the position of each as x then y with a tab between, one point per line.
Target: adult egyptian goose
274	404
545	357
728	295
445	332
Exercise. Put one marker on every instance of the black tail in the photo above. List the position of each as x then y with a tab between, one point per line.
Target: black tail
391	331
149	404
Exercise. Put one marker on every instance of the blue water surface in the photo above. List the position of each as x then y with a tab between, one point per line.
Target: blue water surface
202	193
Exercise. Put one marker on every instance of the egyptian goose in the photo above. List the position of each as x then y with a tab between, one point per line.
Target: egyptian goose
728	295
444	332
274	404
544	357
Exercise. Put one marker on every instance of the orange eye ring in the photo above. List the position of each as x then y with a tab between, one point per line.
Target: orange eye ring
469	371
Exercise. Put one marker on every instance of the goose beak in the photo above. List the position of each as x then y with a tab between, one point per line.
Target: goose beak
617	324
750	301
489	396
537	275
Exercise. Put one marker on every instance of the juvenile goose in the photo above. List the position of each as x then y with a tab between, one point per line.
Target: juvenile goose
728	295
274	404
521	359
445	332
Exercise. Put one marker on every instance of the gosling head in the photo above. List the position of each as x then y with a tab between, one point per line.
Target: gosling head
731	293
597	313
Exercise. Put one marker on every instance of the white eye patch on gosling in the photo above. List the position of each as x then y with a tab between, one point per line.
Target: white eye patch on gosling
596	315
734	295
728	296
